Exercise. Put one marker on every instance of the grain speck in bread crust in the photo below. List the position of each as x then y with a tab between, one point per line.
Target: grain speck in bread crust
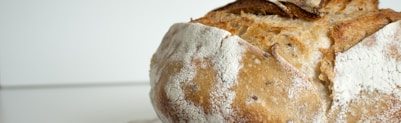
326	61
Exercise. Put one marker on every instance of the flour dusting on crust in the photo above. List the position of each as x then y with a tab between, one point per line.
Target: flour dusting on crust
186	42
369	68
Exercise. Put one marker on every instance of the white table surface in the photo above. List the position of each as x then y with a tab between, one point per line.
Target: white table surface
118	103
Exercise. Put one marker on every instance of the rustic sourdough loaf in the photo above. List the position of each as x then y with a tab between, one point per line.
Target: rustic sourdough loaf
281	61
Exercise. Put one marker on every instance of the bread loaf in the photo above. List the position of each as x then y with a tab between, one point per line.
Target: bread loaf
281	61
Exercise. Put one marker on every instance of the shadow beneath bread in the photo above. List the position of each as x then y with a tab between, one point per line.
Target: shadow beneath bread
155	120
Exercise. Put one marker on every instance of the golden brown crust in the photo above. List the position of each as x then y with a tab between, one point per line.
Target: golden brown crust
347	33
255	104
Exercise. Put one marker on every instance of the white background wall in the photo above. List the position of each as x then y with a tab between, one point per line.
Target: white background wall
86	41
89	41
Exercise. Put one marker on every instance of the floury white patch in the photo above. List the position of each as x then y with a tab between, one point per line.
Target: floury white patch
372	65
186	42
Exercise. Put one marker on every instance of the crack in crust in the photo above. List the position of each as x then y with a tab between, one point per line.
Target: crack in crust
287	66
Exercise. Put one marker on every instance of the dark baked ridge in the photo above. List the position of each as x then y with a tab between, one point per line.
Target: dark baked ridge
264	7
